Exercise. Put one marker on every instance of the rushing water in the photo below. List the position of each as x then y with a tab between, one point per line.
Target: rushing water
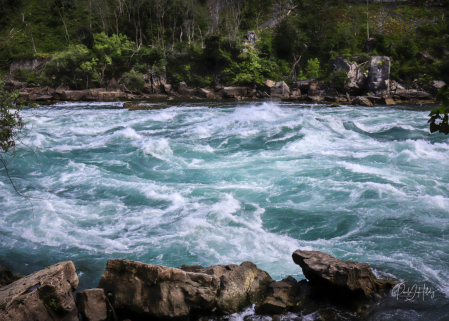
254	181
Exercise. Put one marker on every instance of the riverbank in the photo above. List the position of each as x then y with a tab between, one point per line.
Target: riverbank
309	90
131	290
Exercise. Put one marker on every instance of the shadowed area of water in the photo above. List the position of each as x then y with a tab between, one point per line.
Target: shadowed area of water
255	181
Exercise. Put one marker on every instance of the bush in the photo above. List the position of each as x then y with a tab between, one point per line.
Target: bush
133	80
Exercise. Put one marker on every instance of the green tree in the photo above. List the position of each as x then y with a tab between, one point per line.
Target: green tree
11	126
439	117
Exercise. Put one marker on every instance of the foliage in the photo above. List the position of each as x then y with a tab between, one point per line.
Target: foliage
134	80
313	68
11	122
71	67
339	79
439	117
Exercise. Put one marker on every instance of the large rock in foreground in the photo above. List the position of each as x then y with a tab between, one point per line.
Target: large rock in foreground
344	278
43	295
240	285
154	291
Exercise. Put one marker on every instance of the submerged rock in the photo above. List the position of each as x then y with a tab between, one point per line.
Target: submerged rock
43	295
338	277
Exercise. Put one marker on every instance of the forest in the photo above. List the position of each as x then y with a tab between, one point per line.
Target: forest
202	42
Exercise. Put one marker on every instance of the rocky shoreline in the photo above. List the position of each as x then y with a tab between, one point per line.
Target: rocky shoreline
131	291
359	88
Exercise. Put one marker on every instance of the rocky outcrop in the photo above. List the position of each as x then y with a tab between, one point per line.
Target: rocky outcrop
154	291
43	295
250	38
280	298
34	65
342	278
379	76
355	82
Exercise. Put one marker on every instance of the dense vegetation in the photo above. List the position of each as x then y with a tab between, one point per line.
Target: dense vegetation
201	41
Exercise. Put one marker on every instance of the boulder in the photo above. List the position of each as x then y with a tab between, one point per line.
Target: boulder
280	91
342	278
240	285
250	38
154	291
270	83
94	306
61	88
43	295
355	82
362	101
280	298
185	91
314	93
167	88
236	92
72	95
379	76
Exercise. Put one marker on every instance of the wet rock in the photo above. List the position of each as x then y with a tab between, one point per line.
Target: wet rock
94	306
338	277
43	295
240	285
355	82
304	85
154	291
379	76
362	101
280	298
280	91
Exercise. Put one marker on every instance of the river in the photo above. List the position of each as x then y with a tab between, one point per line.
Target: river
226	182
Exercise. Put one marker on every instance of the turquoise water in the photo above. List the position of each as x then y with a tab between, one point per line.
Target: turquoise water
247	181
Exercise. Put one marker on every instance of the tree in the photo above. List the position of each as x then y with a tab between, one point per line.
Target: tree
11	126
439	117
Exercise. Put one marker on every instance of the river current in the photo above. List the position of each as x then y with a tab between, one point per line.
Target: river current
226	182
